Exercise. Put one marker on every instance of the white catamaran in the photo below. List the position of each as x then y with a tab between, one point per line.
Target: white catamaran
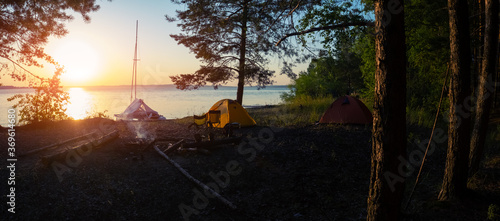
138	110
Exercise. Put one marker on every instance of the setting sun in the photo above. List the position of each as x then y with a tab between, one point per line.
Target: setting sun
80	60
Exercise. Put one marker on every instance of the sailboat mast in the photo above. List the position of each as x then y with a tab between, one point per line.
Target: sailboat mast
135	57
133	89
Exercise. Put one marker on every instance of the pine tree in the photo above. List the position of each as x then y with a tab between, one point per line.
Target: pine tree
486	88
455	175
233	39
389	113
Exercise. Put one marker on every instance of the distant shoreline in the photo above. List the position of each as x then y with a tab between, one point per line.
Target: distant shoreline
122	86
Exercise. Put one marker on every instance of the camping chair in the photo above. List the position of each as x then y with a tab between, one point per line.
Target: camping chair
199	121
213	118
229	128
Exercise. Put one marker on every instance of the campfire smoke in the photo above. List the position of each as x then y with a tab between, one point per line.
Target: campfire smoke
141	130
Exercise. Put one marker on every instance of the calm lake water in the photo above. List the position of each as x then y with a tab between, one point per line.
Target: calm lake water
167	100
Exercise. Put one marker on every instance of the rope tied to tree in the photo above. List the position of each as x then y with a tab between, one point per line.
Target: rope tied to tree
430	139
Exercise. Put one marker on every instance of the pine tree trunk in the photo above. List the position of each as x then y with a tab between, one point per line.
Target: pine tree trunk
477	40
389	113
241	71
457	160
485	92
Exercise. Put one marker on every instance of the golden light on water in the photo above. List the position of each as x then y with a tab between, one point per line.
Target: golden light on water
80	103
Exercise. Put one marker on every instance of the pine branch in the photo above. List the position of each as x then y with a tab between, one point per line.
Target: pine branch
329	27
17	64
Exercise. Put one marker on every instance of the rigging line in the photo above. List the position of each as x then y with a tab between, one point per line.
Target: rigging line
133	86
430	139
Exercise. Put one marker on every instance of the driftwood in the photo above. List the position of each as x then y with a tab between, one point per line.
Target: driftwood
194	150
56	144
203	151
212	143
173	147
168	139
195	181
46	160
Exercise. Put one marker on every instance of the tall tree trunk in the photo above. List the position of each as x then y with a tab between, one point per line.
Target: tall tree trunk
497	74
457	160
243	49
389	113
485	96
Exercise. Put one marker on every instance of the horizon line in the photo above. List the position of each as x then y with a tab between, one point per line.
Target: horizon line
123	85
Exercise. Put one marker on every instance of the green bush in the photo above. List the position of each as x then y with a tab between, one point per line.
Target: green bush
494	212
48	103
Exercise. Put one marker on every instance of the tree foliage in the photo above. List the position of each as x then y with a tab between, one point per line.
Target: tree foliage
25	26
364	48
336	71
336	12
330	76
48	103
428	55
234	39
427	51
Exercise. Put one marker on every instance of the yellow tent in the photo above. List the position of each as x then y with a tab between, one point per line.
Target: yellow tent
229	111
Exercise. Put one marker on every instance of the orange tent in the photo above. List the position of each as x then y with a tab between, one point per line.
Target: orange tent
347	110
228	111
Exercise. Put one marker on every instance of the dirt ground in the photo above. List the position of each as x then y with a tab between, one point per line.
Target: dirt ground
309	173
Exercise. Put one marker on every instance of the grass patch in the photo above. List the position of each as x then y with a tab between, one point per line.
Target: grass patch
184	120
299	111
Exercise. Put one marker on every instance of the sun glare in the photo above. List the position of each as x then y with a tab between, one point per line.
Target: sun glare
80	61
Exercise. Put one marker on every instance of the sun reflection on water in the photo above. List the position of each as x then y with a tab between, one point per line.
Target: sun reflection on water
80	103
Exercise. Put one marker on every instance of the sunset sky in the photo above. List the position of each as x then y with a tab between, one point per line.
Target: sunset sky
101	52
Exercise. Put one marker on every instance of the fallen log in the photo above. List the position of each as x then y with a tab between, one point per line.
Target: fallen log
212	143
56	144
195	150
195	181
84	148
165	138
203	151
173	147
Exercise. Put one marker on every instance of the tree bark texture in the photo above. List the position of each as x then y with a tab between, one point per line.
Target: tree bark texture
389	113
455	174
485	88
243	45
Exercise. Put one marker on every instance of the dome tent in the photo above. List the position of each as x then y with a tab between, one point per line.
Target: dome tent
347	110
229	111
